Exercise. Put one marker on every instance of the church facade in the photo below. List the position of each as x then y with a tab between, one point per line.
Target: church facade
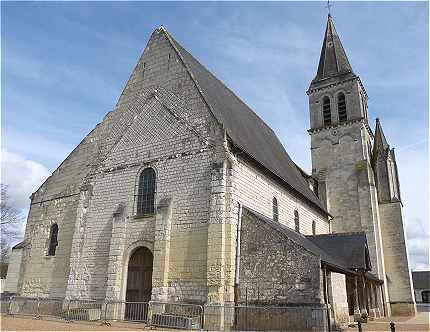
182	193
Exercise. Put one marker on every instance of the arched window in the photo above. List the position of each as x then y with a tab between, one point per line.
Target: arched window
296	221
314	227
326	111
341	107
53	240
146	192
275	209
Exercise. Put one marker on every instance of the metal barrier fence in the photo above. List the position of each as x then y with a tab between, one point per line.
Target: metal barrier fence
23	306
4	305
266	318
126	311
86	310
175	315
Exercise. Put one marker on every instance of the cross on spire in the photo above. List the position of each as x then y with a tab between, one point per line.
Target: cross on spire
328	6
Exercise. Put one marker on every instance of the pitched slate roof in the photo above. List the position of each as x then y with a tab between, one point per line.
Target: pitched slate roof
350	248
333	59
245	128
303	241
421	279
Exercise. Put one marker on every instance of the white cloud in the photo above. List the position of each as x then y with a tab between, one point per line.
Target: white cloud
22	176
413	165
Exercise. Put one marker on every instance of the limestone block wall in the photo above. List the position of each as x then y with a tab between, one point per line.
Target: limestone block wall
12	276
43	275
182	161
399	281
254	188
273	268
341	161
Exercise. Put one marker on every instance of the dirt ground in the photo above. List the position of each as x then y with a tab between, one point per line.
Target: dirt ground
19	323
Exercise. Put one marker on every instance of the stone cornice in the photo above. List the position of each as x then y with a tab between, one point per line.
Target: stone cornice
343	124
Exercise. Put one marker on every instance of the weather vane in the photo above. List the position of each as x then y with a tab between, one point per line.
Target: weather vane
329	5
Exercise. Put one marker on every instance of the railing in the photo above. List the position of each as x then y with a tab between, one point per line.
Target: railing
126	311
174	315
266	318
86	310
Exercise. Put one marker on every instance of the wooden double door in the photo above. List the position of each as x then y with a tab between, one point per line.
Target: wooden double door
139	284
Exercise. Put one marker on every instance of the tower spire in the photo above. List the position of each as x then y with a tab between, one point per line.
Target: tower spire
333	59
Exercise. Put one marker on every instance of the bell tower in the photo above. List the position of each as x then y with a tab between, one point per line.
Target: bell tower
358	182
341	146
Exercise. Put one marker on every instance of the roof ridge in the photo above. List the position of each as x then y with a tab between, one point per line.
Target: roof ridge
219	80
339	234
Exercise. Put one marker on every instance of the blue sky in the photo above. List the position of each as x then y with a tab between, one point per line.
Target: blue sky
64	66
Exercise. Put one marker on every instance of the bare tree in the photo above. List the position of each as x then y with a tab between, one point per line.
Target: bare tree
10	222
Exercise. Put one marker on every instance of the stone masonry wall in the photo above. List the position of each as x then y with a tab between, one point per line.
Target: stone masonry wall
250	186
273	268
44	275
12	276
255	189
340	159
399	280
182	162
173	132
338	298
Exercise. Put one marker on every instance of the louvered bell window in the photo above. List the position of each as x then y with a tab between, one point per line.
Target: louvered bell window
341	107
326	111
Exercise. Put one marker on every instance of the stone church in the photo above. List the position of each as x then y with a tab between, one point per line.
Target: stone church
184	194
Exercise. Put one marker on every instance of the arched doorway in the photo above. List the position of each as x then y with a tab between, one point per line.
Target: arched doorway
139	283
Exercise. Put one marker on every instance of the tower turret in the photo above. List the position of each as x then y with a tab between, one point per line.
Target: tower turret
385	168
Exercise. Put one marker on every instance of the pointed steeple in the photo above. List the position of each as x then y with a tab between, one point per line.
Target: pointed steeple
333	59
380	144
380	139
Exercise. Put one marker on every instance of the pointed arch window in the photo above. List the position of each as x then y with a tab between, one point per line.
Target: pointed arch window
275	209
341	107
146	192
326	111
53	240
296	221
